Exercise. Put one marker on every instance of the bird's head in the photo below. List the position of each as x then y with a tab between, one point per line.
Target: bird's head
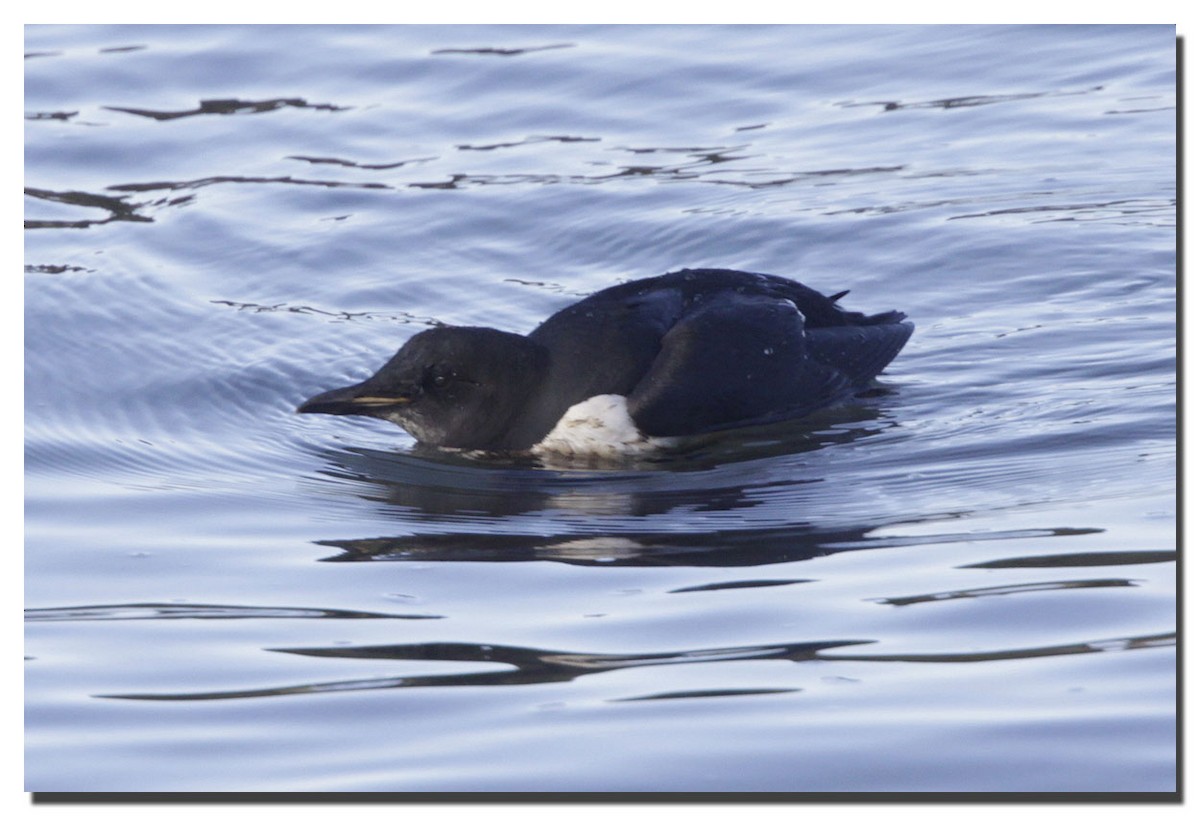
455	387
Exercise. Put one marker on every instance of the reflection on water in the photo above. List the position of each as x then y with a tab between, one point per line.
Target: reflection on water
483	508
432	483
118	209
148	611
727	548
1008	589
534	666
225	107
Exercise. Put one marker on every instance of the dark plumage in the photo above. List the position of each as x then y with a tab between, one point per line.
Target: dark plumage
694	351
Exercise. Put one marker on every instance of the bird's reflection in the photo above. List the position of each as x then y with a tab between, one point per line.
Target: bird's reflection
715	548
739	499
715	473
687	508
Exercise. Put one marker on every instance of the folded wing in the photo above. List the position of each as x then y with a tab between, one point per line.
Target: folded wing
743	359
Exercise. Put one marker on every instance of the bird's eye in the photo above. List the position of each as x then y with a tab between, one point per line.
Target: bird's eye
438	377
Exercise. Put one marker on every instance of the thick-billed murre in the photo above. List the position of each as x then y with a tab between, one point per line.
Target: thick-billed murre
690	352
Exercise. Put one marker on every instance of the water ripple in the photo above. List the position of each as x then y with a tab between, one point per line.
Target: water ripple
502	52
174	611
224	107
536	666
1006	589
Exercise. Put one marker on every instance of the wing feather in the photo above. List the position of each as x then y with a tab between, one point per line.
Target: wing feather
736	360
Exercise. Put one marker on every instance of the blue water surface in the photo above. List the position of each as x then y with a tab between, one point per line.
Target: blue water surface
962	582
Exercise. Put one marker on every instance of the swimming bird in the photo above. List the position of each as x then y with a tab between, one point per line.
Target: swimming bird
678	355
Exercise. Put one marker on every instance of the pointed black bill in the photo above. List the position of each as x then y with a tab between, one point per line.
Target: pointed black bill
351	400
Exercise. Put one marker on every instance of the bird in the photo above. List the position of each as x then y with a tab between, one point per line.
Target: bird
631	368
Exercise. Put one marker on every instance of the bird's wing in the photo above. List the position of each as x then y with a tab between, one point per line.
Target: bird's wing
858	352
738	359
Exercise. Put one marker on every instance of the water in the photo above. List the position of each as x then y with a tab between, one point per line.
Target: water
962	583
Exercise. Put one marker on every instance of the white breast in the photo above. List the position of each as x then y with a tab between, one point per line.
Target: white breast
601	427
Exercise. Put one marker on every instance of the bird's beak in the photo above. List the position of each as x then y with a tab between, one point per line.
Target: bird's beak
350	400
